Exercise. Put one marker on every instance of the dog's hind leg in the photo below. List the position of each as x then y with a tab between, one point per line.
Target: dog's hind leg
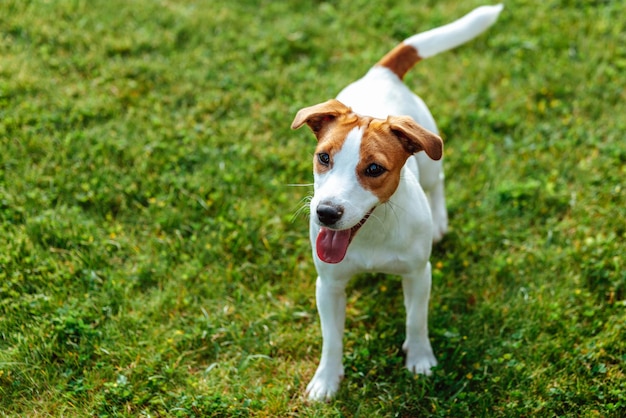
437	200
432	180
419	353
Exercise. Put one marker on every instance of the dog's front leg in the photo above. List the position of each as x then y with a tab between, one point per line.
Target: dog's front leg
419	353
331	306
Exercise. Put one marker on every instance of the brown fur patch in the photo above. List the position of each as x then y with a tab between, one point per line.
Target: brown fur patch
379	145
414	137
320	115
400	59
332	137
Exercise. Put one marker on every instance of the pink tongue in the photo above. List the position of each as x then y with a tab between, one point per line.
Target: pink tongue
332	245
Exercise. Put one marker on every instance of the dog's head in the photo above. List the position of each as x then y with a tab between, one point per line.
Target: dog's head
357	166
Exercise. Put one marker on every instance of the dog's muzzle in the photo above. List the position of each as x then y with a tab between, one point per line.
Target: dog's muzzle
331	245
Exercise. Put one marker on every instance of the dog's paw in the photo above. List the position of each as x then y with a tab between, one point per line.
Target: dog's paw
324	385
420	358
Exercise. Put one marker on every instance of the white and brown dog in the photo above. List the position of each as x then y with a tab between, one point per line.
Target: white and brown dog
369	211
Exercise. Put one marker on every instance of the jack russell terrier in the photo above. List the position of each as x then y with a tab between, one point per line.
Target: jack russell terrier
378	201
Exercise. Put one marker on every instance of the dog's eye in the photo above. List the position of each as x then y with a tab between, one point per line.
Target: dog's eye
323	158
374	170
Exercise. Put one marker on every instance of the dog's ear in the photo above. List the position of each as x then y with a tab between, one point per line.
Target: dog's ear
319	115
414	138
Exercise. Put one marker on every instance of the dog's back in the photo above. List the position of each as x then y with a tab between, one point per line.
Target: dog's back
381	93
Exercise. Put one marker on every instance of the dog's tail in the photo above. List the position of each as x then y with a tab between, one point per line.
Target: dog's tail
426	44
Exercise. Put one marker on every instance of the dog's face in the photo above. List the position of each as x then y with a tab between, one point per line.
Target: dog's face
357	166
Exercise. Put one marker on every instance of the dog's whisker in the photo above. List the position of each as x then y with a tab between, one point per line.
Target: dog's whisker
304	208
391	207
299	184
377	218
304	202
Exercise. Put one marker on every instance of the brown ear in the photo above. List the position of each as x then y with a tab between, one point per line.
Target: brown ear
414	138
319	115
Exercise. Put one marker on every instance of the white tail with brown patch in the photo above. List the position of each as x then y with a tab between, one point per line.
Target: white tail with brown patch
432	42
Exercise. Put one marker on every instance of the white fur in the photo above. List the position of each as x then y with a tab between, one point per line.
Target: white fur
397	238
446	37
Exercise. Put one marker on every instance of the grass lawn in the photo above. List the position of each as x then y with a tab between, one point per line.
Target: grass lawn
154	260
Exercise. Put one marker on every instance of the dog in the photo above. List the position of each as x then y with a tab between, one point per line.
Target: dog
378	202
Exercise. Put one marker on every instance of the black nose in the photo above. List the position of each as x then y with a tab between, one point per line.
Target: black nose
329	214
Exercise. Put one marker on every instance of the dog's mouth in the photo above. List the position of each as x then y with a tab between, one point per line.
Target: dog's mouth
332	244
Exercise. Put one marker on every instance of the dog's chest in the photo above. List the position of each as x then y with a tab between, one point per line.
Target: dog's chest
389	242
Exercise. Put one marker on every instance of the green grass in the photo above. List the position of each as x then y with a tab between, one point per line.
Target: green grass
151	263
